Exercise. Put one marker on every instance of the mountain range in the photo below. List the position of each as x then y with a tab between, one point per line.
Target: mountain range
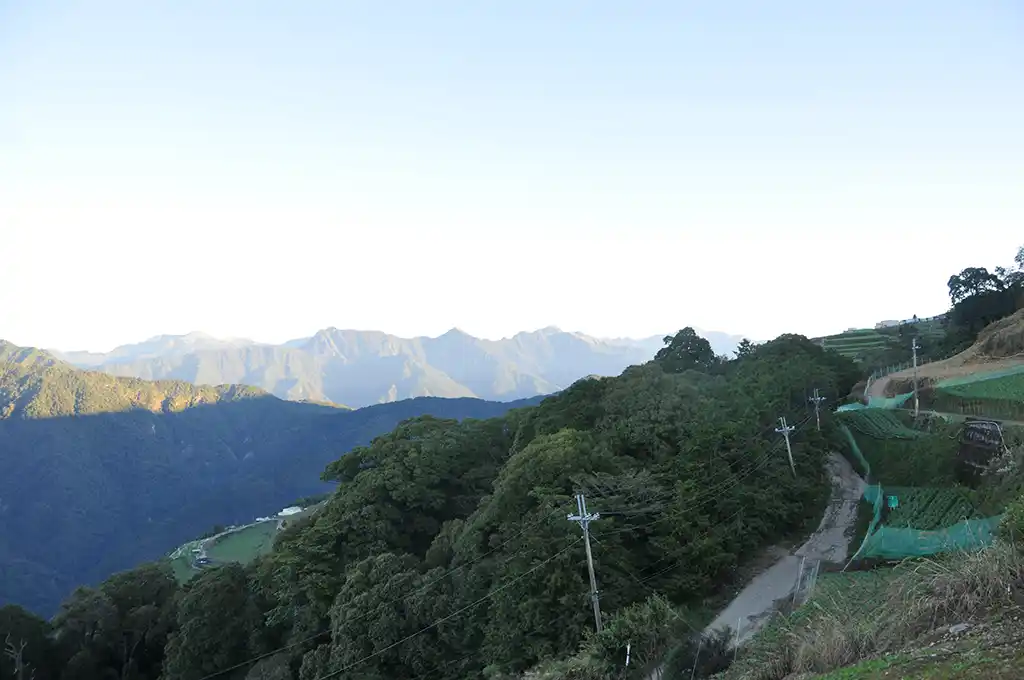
99	473
359	368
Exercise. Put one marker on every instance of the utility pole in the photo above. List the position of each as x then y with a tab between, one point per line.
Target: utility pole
584	519
917	404
785	430
817	399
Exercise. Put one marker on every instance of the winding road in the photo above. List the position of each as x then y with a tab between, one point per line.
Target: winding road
830	542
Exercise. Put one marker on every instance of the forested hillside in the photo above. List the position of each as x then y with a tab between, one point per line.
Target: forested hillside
101	473
445	551
358	368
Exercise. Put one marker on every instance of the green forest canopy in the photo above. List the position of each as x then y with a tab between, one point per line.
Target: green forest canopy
446	551
101	473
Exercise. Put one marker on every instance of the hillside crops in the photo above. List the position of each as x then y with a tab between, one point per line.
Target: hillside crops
927	509
855	342
1010	387
879	423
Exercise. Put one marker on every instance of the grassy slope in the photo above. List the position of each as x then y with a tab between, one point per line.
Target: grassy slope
897	623
242	545
894	622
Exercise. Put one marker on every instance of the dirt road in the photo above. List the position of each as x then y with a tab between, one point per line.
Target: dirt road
830	542
955	367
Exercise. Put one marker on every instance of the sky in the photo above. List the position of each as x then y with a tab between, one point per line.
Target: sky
265	169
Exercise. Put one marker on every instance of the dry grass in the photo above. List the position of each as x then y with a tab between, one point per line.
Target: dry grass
1004	338
924	595
942	591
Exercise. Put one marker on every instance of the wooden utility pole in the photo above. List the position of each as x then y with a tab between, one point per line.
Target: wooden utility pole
583	518
785	430
917	403
817	399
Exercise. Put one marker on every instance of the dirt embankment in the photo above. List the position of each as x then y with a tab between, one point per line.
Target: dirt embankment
1000	346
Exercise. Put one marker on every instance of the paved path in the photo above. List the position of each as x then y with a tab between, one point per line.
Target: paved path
830	542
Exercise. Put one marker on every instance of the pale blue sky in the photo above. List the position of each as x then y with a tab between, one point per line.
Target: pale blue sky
265	169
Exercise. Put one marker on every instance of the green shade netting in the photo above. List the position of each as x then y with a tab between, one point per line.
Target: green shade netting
893	543
981	377
890	402
897	543
865	467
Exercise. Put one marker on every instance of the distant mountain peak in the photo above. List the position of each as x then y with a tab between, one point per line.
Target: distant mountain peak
357	367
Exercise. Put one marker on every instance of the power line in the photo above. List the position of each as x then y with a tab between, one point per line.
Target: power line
785	430
733	481
419	590
714	490
625	570
584	518
453	614
817	399
709	492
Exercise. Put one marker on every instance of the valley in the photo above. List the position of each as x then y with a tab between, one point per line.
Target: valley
102	473
432	535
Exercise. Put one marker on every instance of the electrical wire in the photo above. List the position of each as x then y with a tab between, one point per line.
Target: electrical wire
419	590
454	614
707	493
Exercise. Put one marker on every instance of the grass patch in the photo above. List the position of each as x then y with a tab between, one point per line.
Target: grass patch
1003	662
879	423
852	617
244	545
182	570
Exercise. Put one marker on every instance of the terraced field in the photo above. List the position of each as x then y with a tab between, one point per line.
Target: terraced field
855	342
1009	387
927	509
878	423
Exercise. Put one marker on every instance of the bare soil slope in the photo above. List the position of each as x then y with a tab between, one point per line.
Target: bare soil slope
999	346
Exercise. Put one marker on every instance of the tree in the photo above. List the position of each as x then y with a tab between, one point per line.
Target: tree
686	351
122	625
1013	276
27	651
271	668
972	281
745	348
16	653
216	619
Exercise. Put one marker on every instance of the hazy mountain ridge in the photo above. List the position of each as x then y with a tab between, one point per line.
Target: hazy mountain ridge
358	368
102	472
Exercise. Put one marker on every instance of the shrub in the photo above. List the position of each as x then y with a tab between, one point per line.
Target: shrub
1011	527
700	656
649	628
920	596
